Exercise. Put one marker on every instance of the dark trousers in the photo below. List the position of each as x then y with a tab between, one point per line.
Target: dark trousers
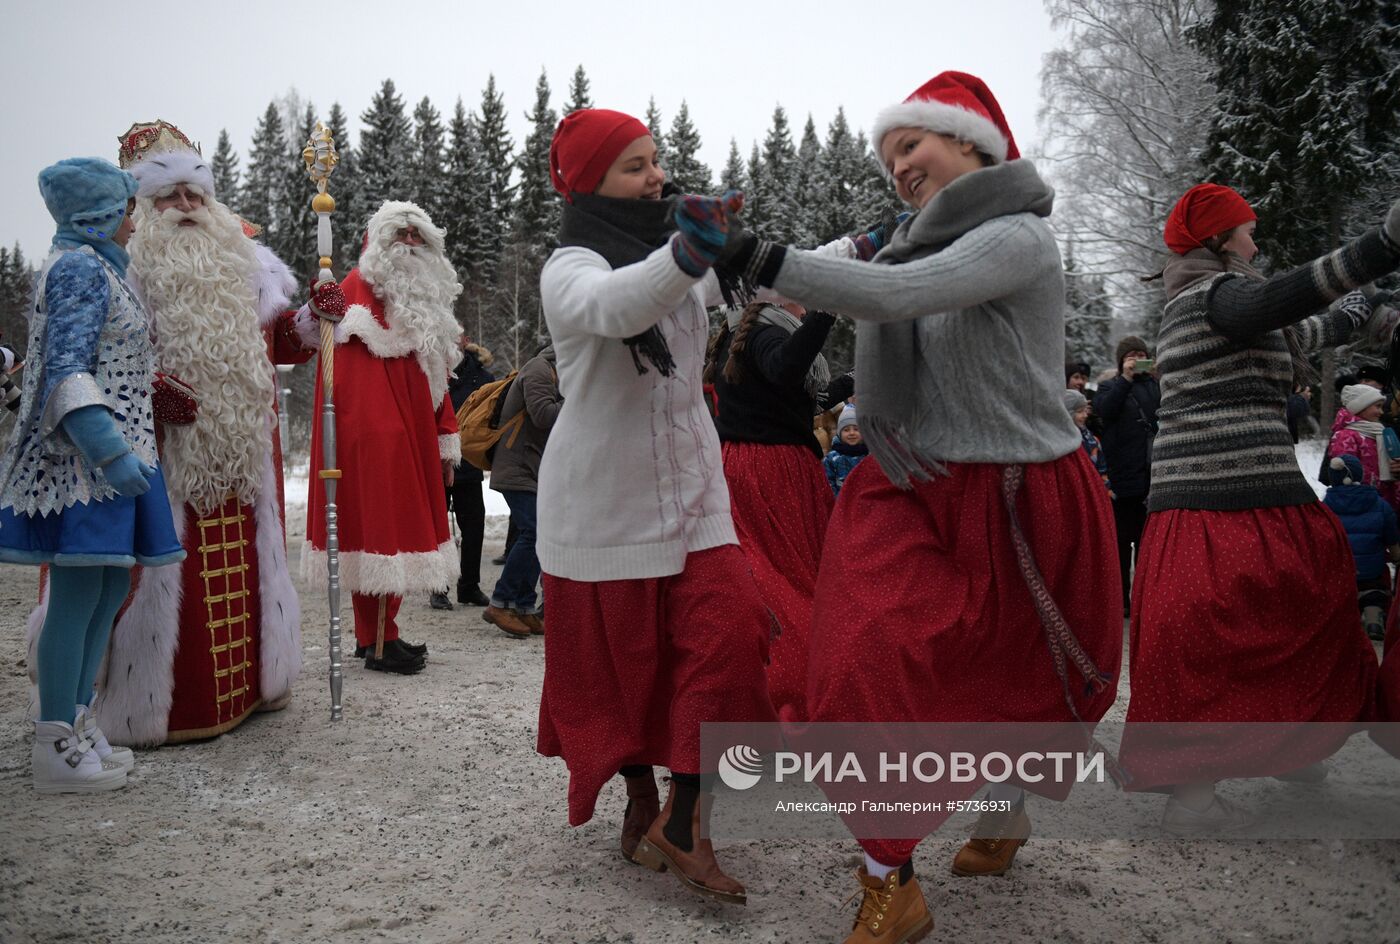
1129	517
516	588
470	512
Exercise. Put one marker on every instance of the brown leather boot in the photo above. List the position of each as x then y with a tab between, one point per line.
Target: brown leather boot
891	912
533	621
697	870
506	621
995	840
643	806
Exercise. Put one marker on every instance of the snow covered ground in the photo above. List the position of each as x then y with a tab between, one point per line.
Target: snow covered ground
1310	452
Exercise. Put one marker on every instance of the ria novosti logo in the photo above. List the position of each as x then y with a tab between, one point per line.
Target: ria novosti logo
740	767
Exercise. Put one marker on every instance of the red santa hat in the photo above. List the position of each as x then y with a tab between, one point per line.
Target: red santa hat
159	156
1204	211
585	144
956	104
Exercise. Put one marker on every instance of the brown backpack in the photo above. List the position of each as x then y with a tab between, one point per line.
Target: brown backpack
479	422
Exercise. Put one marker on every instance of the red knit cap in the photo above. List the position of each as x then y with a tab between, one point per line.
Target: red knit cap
585	144
1204	211
956	104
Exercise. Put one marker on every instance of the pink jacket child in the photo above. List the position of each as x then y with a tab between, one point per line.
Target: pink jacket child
1355	430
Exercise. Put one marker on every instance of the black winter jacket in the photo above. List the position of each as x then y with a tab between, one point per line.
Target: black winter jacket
1128	408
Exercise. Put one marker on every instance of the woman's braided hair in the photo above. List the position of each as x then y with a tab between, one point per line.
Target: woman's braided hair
734	369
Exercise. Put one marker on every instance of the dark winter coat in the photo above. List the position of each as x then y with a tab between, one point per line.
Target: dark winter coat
471	374
841	461
1297	412
1370	525
535	390
772	406
1128	409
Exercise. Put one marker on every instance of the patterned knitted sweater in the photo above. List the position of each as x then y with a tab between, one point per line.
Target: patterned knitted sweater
1222	442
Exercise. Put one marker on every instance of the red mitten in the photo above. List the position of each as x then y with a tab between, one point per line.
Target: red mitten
172	401
327	301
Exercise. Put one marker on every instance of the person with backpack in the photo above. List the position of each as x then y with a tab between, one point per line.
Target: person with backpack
534	398
464	498
663	626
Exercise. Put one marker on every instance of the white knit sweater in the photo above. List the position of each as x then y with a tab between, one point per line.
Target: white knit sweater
632	479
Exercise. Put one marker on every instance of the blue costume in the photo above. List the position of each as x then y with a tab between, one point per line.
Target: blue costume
80	488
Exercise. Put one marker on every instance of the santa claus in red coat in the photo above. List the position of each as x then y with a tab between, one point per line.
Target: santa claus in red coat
396	432
203	644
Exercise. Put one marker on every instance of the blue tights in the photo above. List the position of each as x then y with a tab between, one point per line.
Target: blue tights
83	602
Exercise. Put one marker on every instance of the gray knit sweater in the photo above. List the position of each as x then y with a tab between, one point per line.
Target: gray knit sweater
1222	442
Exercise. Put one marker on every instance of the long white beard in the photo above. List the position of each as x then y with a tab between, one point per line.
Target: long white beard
198	283
418	287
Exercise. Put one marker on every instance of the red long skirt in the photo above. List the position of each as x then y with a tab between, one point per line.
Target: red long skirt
632	668
1243	616
923	614
781	506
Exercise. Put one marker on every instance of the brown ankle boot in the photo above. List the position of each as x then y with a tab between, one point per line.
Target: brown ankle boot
697	870
995	840
506	621
643	807
891	912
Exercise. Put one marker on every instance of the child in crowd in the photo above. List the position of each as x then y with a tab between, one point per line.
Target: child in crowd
1354	432
1371	529
1078	406
847	449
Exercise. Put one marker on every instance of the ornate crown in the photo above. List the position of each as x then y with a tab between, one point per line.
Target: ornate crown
151	137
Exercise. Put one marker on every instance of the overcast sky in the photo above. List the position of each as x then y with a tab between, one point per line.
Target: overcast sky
77	74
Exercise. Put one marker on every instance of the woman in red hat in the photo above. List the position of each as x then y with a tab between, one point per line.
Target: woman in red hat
969	572
1244	609
662	625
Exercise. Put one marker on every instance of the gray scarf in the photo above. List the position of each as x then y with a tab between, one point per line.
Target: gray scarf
887	355
818	375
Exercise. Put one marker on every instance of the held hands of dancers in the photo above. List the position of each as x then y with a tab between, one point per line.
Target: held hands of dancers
874	239
706	228
95	433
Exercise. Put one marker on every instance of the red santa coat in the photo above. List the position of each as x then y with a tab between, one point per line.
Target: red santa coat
391	435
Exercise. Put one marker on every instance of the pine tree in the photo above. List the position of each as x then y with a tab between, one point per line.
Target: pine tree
1306	122
756	210
264	187
385	149
653	123
1088	315
733	176
579	94
840	172
807	188
225	169
683	167
347	223
426	163
780	179
536	221
294	234
16	287
496	148
874	192
468	202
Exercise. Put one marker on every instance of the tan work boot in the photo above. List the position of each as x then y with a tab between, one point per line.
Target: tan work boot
533	621
995	840
506	621
643	807
890	912
697	870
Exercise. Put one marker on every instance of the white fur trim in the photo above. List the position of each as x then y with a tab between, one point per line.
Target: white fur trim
274	285
395	215
450	448
386	574
944	119
360	322
280	633
155	172
136	712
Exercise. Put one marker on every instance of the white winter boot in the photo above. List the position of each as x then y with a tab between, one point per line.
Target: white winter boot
86	725
65	762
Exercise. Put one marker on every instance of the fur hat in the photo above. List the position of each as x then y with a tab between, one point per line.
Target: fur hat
159	156
848	418
1076	367
86	196
1344	470
956	104
1127	346
1075	401
1357	397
